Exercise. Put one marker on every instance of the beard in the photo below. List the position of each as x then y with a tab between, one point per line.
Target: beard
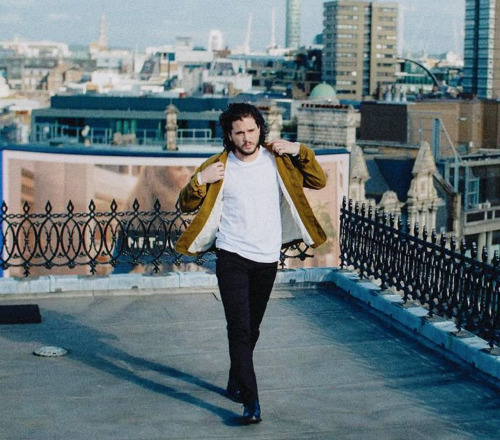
245	152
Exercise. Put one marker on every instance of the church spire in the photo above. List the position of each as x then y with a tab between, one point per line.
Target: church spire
103	34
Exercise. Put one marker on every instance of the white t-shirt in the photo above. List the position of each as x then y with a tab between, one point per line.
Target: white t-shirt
250	224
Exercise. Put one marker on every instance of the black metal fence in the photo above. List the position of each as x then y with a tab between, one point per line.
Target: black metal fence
442	277
116	241
434	272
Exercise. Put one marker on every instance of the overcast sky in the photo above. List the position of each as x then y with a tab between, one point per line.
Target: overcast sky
430	25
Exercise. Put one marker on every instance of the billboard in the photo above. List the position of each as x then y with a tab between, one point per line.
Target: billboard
81	175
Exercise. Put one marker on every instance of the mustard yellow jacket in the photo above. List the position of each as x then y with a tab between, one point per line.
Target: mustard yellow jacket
297	218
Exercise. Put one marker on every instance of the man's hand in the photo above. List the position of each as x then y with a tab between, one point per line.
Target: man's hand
281	146
212	173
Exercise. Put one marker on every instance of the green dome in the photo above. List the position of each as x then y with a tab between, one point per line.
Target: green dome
323	91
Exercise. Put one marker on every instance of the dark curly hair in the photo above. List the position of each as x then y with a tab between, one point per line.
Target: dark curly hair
236	112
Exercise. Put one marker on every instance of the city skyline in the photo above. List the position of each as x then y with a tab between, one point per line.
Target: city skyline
429	26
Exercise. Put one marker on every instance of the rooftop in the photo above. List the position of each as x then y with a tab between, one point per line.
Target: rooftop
149	363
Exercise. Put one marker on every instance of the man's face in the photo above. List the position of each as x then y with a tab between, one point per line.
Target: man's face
245	136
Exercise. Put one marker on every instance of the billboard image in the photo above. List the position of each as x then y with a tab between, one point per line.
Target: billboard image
39	179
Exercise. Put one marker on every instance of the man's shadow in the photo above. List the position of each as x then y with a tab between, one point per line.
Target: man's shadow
91	347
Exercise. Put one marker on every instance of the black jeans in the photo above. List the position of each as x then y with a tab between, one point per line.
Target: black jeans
245	287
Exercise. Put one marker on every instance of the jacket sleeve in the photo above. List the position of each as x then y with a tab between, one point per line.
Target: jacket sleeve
193	194
312	172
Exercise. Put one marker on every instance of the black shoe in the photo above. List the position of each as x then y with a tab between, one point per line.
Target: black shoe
234	393
251	413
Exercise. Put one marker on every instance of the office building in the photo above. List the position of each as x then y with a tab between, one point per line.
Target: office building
482	49
215	40
292	37
360	47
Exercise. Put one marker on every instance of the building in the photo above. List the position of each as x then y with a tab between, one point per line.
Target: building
323	123
464	125
482	49
37	49
166	65
215	40
15	115
140	119
61	75
225	77
292	37
360	47
36	68
294	74
409	187
430	77
464	136
133	120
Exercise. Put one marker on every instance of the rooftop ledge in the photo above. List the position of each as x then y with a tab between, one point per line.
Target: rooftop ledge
461	347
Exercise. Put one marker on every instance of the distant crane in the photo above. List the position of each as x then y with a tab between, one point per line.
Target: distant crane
249	30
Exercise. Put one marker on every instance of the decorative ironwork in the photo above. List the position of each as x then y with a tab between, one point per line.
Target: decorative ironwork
434	272
294	251
120	240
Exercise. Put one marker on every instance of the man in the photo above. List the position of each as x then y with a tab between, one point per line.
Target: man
251	202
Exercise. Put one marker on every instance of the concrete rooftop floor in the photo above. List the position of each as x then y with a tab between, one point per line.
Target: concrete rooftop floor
155	367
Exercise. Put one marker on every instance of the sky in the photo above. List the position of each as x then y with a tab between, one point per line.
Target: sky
430	26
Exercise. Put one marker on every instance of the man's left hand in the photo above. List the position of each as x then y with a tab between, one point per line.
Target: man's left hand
281	146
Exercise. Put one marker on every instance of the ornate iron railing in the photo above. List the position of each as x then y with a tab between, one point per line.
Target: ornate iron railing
118	240
437	274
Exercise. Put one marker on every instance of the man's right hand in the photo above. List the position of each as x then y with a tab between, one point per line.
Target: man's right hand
213	173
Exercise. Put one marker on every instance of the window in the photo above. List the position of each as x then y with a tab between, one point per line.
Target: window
347	8
347	26
347	45
347	17
347	64
347	73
